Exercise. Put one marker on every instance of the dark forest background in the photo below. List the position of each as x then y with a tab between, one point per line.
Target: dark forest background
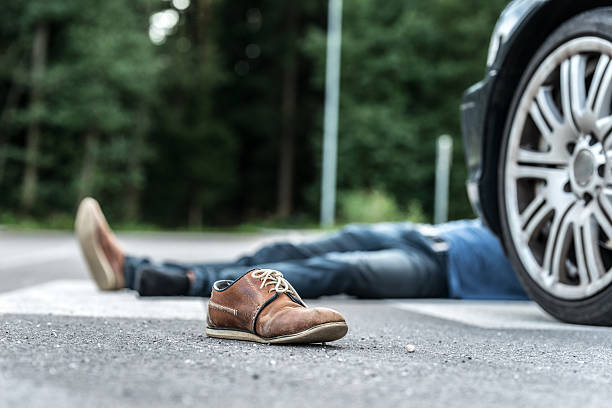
209	112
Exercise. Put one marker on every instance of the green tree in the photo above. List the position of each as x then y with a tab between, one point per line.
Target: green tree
105	86
405	65
193	174
220	121
78	123
270	104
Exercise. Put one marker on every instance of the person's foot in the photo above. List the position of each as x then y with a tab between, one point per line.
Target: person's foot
99	246
262	306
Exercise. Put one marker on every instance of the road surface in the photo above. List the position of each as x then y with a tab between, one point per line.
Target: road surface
64	344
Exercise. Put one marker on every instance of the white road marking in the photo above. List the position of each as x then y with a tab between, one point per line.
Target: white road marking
37	257
82	298
491	314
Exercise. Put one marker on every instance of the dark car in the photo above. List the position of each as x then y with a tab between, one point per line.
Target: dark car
537	133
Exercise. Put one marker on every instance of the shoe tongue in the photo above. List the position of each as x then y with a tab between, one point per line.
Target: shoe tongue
266	288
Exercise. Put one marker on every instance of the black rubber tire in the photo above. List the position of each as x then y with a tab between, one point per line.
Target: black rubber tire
597	309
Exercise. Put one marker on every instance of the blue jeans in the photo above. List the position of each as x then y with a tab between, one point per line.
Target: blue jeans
369	261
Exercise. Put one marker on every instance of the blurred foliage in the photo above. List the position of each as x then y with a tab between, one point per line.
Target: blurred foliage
192	130
375	206
405	65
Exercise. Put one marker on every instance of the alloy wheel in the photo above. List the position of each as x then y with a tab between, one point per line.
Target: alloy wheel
558	171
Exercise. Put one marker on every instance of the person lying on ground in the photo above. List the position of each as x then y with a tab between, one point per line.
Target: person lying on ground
460	259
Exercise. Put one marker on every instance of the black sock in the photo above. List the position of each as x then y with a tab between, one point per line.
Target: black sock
156	283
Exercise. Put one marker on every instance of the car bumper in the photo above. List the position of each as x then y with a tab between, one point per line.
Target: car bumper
474	108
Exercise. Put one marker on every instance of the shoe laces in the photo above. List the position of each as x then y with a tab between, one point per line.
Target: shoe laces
274	277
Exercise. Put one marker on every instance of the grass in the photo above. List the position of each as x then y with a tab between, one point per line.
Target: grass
362	206
63	222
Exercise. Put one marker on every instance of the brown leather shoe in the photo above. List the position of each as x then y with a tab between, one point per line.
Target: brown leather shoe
262	306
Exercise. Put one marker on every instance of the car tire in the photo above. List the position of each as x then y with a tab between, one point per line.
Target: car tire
550	250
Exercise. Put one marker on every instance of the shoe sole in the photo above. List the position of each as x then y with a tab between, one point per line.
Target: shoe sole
322	333
88	216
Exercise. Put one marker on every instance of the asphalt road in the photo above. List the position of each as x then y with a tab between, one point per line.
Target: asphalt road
64	344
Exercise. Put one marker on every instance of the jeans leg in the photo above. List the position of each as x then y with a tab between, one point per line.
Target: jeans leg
349	261
396	273
299	259
312	277
393	273
131	266
349	239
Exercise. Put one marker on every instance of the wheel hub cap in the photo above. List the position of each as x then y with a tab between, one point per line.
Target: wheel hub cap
587	167
583	167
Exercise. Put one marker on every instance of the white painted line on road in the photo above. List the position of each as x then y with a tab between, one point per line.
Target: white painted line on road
491	314
82	298
37	257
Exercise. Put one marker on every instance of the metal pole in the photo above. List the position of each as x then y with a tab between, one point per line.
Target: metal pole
443	166
330	121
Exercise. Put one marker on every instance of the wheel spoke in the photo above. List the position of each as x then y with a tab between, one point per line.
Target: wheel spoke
583	275
553	194
553	157
554	130
604	222
531	208
590	232
535	222
604	201
540	122
577	85
585	246
551	175
605	126
603	213
568	97
601	87
547	107
558	242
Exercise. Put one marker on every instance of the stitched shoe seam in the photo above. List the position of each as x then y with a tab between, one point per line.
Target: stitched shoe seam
222	308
